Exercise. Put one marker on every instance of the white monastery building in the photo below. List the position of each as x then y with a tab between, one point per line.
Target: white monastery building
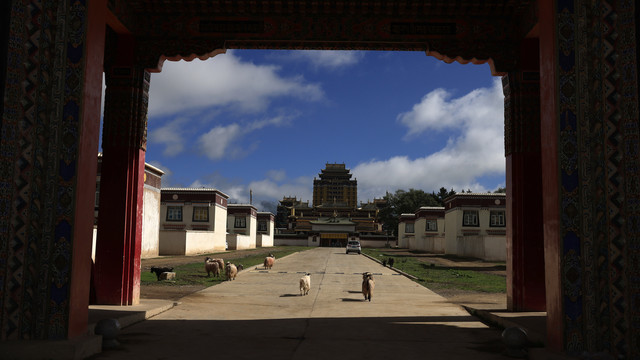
265	230
192	221
242	225
469	225
423	231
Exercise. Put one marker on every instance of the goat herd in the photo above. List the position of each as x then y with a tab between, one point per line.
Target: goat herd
215	266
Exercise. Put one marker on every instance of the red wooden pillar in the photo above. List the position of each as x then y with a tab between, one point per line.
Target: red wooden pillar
118	246
550	172
87	164
525	241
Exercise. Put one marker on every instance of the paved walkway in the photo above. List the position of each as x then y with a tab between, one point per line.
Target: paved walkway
262	315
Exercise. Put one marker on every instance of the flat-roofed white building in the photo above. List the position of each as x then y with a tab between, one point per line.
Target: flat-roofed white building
242	222
265	229
423	230
192	221
476	225
470	225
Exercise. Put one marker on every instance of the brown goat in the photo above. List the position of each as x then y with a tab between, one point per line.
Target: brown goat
212	267
269	261
367	285
219	261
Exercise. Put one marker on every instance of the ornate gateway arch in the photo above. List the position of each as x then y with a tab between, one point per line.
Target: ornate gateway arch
570	78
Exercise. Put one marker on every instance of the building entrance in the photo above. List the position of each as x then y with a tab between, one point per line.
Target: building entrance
333	240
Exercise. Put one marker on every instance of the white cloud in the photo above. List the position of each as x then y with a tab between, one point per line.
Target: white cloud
276	175
477	150
171	135
437	111
215	143
219	142
269	190
323	59
221	81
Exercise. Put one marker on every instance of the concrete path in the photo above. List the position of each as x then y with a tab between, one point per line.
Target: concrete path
262	315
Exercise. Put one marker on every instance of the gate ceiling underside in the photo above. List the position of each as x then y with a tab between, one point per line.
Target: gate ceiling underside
464	30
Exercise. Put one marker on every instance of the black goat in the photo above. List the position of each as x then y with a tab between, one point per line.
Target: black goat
159	270
391	262
384	262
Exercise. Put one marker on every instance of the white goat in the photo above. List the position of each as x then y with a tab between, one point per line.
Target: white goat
232	271
367	285
305	284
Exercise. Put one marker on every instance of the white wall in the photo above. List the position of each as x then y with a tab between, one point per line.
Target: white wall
405	240
491	248
239	242
431	244
375	243
201	242
150	246
266	239
470	246
451	221
219	219
495	248
190	242
296	242
253	227
173	242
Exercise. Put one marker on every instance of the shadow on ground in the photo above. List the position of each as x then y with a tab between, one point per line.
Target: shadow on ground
442	337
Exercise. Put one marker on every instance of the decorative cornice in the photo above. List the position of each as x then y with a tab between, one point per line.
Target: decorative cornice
459	31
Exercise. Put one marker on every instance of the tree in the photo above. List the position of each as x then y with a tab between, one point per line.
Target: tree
501	190
443	194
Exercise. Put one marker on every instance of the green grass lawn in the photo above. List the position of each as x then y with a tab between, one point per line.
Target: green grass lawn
195	274
438	277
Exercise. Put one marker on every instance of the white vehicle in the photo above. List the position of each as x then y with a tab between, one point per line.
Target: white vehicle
354	246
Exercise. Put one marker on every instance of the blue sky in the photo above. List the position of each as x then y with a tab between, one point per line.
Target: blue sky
269	121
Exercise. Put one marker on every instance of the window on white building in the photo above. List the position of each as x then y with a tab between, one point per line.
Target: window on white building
200	213
408	228
431	225
241	222
470	218
174	213
262	225
498	219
